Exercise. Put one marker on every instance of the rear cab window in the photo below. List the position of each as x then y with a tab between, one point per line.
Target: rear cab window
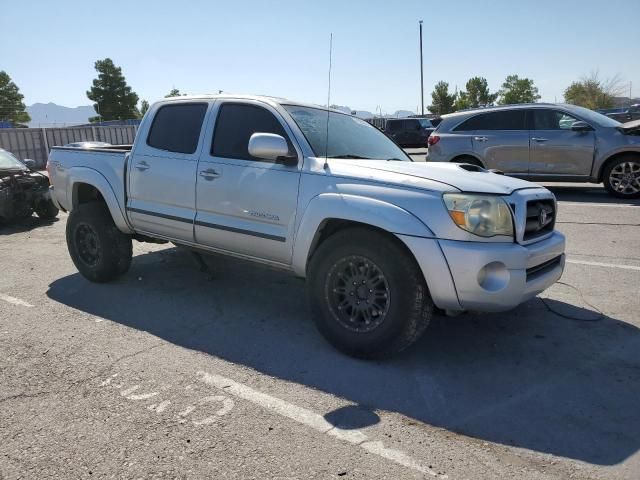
176	128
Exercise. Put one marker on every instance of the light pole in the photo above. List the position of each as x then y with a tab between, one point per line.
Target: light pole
421	72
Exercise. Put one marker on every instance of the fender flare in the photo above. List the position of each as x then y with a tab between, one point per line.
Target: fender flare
78	175
335	206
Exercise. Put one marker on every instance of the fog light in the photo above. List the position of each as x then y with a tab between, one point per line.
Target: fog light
494	276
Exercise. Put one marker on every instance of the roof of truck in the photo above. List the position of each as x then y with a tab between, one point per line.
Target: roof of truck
263	98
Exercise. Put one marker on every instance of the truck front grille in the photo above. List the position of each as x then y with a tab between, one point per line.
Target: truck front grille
540	218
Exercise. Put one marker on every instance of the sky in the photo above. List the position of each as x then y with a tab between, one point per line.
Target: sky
281	48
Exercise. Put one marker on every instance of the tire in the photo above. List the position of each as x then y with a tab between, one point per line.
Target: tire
407	307
46	210
621	177
99	250
468	159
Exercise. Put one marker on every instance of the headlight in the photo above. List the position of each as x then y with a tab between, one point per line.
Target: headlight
483	215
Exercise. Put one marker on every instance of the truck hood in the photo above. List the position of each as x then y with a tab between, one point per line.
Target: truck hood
632	127
430	175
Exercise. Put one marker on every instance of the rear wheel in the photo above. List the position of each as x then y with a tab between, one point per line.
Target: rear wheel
98	249
367	294
622	177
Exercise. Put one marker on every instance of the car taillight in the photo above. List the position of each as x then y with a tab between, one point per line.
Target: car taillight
433	139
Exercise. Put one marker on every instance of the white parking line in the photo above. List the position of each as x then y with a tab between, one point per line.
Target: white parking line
599	264
313	420
589	204
14	300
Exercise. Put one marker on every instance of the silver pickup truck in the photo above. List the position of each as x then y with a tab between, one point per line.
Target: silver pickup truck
381	240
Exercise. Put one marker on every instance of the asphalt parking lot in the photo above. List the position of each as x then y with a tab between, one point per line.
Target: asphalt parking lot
172	372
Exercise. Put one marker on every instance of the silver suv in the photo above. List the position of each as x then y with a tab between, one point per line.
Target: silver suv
544	142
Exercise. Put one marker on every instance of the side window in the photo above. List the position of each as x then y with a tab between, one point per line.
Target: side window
176	128
411	125
393	126
234	127
545	119
474	123
502	120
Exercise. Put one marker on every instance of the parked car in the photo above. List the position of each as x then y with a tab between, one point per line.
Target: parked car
90	144
544	142
380	239
409	132
23	191
626	114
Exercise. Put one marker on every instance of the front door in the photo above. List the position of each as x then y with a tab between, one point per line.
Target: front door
245	204
162	171
555	148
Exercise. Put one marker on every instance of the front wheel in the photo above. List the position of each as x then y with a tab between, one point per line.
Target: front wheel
98	249
622	177
367	294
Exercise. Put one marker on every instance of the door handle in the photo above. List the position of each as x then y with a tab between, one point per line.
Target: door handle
539	139
480	139
209	174
142	166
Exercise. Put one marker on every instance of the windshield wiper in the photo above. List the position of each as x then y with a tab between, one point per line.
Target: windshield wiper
356	157
394	159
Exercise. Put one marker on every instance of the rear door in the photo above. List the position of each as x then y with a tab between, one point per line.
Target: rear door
501	140
245	204
162	171
555	148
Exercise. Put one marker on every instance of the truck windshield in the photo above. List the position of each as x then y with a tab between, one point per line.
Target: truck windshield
9	162
349	137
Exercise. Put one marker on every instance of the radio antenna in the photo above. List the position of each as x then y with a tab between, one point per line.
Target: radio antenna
326	146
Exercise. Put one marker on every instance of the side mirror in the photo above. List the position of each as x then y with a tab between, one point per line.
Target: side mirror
270	146
581	126
31	164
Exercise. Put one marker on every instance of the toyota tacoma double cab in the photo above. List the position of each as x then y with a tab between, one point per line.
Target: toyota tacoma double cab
382	241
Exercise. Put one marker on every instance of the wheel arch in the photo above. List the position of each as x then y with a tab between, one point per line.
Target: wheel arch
329	213
612	158
87	185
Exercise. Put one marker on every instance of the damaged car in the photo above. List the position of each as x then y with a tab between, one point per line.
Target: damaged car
23	191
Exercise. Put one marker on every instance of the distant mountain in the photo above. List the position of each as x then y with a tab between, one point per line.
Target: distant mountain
367	114
52	115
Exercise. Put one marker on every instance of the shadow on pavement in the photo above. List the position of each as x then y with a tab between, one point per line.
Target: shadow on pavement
526	378
24	225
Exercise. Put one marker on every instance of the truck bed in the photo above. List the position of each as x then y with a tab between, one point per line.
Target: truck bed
108	164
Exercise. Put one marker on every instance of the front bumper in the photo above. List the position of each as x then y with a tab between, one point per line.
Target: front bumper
487	277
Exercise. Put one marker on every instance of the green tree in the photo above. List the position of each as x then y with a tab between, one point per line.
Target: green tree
518	90
592	92
114	99
462	101
174	93
442	100
144	106
477	93
12	108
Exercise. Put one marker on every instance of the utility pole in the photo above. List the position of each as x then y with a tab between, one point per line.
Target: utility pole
421	72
